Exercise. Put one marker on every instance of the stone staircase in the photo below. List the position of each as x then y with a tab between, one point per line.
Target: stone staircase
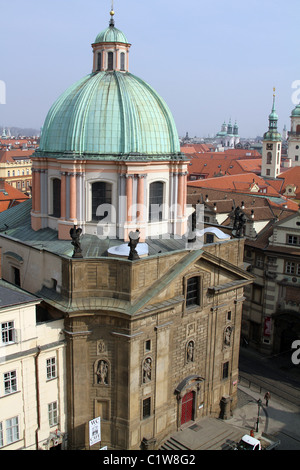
173	444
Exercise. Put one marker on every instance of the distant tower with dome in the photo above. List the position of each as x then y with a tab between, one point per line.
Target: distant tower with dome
228	137
294	137
272	141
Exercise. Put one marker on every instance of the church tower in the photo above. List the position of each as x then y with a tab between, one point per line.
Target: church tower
271	154
294	137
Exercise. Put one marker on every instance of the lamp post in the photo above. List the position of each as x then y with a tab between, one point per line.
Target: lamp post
259	403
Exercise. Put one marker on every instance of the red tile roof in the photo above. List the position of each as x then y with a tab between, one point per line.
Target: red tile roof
291	176
244	183
15	154
10	196
195	148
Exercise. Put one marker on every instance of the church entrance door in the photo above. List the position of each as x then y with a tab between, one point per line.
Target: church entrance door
187	408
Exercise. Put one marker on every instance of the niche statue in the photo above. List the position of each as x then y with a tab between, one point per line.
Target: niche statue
75	234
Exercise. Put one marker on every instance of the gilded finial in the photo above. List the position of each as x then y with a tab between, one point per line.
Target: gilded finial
112	22
274	89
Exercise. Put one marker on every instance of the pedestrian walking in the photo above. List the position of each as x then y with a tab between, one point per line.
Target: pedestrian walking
267	398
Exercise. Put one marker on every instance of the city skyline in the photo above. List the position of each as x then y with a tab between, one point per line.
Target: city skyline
209	62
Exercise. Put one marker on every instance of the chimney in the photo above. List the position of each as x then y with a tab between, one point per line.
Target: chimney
2	184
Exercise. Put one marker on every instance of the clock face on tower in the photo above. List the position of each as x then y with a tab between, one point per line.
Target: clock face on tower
269	146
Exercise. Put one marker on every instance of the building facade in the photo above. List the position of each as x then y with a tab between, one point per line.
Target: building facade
15	169
272	306
32	375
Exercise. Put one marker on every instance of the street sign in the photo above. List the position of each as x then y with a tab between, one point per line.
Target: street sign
95	430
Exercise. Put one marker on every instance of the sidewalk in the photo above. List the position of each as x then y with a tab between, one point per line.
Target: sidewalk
279	420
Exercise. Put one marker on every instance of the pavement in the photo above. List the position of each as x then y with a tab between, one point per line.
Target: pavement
280	420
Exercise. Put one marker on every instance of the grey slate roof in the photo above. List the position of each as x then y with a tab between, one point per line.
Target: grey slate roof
11	295
16	223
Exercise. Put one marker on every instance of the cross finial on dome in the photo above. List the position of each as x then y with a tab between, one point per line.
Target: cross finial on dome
112	21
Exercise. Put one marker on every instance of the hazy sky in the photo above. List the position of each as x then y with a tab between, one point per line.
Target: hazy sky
210	60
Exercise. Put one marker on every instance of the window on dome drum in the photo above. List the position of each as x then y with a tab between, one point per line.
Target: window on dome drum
110	61
99	61
122	57
56	197
193	291
156	199
101	194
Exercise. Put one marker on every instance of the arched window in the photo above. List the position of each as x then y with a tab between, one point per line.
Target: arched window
99	61
269	158
122	56
298	129
110	61
56	197
156	199
101	194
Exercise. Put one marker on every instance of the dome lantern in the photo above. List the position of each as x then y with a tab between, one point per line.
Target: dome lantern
111	49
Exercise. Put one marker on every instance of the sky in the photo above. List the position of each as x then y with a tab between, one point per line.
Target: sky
211	61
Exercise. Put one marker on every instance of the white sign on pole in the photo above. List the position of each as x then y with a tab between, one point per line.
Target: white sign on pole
95	430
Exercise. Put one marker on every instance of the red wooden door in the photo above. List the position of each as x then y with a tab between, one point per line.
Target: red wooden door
187	407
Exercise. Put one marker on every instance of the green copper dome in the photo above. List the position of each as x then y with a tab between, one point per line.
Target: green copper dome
111	34
296	111
109	114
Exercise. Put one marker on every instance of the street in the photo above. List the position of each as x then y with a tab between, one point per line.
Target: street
281	378
280	419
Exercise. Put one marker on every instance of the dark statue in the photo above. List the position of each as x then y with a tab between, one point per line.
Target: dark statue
75	234
239	223
134	238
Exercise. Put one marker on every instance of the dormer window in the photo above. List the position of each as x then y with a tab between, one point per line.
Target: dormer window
110	61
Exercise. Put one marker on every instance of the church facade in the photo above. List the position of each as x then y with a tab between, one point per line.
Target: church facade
152	341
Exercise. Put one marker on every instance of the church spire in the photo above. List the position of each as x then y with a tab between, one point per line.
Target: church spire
273	117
